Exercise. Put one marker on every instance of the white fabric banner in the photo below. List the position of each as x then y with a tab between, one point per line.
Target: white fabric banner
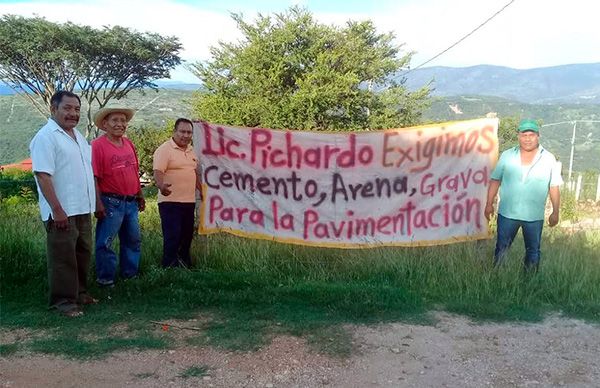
414	186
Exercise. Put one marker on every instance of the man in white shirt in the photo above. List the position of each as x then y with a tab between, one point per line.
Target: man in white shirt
61	160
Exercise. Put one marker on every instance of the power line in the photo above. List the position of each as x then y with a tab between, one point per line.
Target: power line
463	38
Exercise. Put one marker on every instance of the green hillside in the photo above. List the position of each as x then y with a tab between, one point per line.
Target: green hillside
19	121
557	138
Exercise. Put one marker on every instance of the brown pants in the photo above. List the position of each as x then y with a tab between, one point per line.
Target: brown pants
69	254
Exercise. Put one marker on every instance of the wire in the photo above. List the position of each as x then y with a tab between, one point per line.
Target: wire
463	38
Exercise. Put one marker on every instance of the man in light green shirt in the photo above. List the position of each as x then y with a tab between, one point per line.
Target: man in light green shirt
525	175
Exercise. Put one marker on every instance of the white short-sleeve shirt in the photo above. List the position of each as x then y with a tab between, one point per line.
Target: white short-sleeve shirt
69	162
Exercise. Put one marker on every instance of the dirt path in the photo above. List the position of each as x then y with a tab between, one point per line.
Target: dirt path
453	353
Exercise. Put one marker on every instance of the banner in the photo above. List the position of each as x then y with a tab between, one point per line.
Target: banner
415	186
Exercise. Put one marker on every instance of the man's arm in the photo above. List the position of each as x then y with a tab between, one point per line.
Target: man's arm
159	178
100	213
491	197
47	188
555	200
141	201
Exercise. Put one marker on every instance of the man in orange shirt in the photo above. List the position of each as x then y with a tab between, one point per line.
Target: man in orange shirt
175	168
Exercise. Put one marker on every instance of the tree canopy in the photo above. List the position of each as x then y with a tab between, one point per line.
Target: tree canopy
38	57
507	132
290	71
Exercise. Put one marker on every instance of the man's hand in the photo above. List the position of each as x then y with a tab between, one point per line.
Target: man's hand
489	210
164	189
100	212
199	188
553	219
59	217
141	202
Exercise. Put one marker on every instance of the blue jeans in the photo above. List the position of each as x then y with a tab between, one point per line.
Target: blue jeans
532	235
122	219
177	221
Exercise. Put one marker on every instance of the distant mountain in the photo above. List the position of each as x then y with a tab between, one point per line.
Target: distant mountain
176	85
578	83
552	95
5	90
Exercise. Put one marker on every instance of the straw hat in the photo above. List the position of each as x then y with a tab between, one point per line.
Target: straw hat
104	112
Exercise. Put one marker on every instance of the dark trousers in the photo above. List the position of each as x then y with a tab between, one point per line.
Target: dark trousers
69	254
177	221
532	236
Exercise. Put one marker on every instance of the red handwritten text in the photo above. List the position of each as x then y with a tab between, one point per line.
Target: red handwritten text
295	156
420	155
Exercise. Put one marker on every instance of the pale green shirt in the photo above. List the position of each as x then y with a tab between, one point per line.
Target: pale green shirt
524	189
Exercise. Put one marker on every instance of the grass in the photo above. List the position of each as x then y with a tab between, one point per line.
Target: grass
76	346
247	291
195	371
8	349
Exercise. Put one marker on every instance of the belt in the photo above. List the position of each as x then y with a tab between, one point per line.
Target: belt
127	198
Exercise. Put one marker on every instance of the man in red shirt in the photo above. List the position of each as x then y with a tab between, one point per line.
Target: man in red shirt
119	197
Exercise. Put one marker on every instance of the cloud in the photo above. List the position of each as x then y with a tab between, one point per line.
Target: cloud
529	33
196	28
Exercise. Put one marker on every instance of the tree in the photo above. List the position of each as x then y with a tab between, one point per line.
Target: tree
147	140
291	72
507	132
38	57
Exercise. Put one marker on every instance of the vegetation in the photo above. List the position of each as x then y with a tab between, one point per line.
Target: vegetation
195	371
19	123
243	291
507	132
556	138
156	111
38	57
290	71
17	183
147	140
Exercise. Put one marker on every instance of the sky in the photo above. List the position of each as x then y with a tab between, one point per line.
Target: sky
527	34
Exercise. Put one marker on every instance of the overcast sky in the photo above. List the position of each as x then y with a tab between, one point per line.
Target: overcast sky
528	33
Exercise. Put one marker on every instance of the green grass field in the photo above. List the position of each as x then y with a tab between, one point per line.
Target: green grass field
243	292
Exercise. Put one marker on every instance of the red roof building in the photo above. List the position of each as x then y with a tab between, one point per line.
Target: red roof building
24	165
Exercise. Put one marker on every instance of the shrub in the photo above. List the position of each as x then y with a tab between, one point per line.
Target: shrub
17	183
146	141
568	206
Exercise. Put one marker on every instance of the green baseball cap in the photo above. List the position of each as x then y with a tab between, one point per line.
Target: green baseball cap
529	125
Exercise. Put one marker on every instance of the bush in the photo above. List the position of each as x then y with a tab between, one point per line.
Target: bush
17	183
146	141
568	206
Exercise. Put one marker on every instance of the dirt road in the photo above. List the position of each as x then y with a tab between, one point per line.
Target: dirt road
455	352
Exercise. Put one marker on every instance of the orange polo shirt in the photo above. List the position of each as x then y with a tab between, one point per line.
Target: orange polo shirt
179	166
